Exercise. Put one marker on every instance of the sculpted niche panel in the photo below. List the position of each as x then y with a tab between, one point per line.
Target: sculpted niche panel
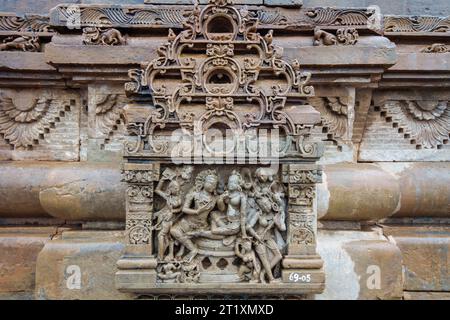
228	227
228	219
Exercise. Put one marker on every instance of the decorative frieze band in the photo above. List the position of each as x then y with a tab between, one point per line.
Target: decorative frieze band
10	23
416	24
167	16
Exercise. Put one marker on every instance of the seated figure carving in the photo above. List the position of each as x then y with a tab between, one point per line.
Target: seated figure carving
199	202
244	224
233	201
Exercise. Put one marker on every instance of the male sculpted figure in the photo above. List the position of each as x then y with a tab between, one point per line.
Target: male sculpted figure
199	202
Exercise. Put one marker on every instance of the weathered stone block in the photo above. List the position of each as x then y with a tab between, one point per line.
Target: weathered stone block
359	265
426	256
19	248
80	265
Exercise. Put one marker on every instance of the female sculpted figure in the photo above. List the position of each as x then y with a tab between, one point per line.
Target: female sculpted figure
261	225
265	186
165	216
199	202
250	268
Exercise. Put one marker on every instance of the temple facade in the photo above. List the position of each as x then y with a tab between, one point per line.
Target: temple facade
162	149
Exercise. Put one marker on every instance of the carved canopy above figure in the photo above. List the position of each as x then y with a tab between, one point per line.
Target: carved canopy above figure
242	227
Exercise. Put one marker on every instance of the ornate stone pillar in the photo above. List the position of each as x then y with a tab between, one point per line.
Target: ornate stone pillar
302	264
138	264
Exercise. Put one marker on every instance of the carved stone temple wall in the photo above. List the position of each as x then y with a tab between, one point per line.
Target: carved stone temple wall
164	149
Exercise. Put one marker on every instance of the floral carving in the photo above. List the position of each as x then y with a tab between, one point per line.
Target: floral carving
425	123
346	17
108	112
303	232
150	16
25	119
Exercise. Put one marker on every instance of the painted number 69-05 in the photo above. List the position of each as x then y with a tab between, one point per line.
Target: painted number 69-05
297	277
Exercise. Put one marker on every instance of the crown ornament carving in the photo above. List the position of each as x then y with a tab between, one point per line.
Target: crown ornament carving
219	69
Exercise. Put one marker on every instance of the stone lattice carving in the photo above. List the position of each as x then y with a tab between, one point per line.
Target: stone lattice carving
436	48
345	36
21	43
219	225
103	36
425	123
416	24
26	119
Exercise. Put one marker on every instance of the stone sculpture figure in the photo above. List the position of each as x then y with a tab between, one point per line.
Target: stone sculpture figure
250	269
233	201
165	216
266	186
261	226
21	43
199	202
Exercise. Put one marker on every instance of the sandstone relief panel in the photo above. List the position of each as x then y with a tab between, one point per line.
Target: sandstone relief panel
237	218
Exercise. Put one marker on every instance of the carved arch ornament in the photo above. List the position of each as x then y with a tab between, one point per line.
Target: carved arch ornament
220	62
237	228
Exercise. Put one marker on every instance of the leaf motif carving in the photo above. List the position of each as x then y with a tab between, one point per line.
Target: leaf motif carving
23	125
334	114
425	123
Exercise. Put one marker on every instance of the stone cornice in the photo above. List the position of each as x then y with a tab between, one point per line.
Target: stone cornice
169	16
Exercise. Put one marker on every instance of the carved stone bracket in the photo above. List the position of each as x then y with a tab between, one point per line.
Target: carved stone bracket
25	119
337	115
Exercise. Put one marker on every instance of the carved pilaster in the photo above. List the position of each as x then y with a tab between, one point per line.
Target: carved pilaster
138	263
301	263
